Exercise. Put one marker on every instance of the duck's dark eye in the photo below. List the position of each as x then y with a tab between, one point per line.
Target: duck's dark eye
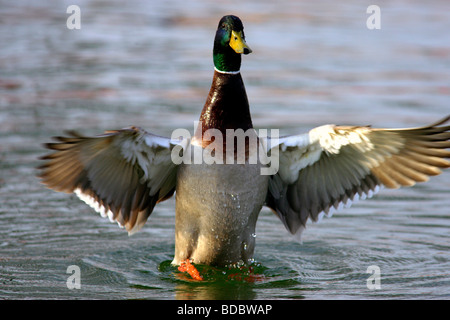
224	26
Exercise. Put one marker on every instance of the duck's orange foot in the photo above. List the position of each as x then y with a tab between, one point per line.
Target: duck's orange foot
187	266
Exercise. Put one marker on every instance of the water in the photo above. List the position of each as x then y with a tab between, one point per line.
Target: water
149	64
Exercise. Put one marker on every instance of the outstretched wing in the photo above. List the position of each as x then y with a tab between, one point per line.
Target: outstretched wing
121	174
331	166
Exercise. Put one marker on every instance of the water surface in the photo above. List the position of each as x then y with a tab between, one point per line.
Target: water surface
149	64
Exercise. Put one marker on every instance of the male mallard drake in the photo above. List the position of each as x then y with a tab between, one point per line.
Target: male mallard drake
123	174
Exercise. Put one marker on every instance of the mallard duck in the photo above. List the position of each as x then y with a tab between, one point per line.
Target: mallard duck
124	173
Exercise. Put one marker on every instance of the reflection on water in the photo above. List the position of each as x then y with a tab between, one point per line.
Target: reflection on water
149	64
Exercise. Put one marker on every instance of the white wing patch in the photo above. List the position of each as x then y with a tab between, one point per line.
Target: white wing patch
296	153
332	138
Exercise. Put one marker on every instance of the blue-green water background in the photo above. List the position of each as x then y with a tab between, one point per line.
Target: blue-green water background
149	63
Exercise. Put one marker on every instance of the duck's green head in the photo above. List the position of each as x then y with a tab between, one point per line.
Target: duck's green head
229	44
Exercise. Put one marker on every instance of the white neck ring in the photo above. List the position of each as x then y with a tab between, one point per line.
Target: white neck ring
227	72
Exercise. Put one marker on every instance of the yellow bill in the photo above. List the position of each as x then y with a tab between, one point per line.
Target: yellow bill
238	43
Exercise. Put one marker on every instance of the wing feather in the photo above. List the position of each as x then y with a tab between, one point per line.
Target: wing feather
122	174
332	166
